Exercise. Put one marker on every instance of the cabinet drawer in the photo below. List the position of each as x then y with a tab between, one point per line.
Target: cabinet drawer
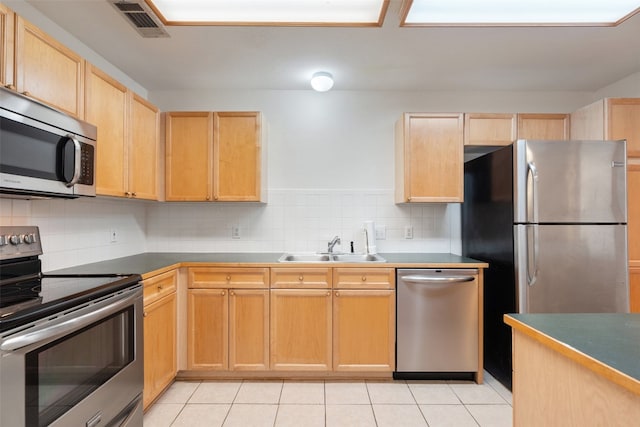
158	286
364	278
317	278
214	277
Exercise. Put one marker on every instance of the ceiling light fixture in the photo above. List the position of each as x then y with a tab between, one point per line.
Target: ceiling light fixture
321	81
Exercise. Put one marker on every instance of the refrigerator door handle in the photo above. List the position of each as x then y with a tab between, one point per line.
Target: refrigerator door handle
533	171
532	278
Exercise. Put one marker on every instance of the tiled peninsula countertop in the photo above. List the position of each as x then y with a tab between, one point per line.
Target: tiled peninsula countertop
150	263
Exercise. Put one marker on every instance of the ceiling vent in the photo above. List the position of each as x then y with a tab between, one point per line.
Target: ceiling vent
141	17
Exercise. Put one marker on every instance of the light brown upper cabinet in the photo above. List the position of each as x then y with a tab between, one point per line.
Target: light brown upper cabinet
144	141
128	133
610	119
489	129
47	70
554	127
7	25
215	156
429	158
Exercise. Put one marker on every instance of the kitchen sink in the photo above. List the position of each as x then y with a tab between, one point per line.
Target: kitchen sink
324	257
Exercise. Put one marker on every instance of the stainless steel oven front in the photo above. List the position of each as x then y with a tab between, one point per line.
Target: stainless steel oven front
81	367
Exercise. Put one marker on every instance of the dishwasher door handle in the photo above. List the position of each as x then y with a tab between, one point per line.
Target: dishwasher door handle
426	280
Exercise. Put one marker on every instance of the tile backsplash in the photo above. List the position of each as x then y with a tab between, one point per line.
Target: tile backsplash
302	220
80	231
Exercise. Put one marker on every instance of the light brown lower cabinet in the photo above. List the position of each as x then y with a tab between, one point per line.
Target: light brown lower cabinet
363	330
301	329
160	339
228	329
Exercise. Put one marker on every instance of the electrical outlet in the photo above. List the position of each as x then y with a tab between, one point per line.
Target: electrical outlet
235	232
381	232
408	232
113	235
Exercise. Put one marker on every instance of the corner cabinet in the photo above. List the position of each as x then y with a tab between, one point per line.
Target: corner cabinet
215	157
429	158
47	70
160	340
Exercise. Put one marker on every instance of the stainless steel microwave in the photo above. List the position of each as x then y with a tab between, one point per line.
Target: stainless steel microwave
44	152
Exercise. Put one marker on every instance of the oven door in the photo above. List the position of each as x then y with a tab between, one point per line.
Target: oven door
83	367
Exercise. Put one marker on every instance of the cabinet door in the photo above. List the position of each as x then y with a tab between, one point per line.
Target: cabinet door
301	329
489	129
634	289
143	149
633	209
623	122
159	346
364	330
47	70
107	107
248	329
7	21
207	329
544	126
237	156
189	154
429	158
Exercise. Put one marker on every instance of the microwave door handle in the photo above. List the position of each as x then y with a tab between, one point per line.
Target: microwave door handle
77	160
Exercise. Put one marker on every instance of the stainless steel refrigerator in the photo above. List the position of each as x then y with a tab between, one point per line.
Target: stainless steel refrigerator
550	218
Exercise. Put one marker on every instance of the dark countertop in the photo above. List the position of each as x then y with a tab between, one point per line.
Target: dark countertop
146	263
612	340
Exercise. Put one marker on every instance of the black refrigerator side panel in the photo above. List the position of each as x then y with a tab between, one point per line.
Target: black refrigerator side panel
487	235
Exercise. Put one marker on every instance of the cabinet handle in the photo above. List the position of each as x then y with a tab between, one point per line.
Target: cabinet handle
337	293
233	294
127	193
144	314
222	293
228	278
408	199
301	278
215	197
207	198
10	86
329	293
133	194
26	93
159	287
364	278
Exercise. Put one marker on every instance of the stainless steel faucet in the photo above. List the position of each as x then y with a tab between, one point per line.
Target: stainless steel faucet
332	243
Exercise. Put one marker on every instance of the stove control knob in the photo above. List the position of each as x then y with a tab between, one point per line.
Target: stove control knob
14	239
29	238
3	240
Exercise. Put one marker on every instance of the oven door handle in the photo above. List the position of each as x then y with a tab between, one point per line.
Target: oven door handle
48	332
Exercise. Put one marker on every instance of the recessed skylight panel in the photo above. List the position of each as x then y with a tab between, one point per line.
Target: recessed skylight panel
518	12
271	12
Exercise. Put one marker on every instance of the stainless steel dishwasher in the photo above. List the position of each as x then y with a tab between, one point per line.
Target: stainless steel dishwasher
437	323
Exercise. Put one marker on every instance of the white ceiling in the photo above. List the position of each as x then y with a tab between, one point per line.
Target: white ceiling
386	58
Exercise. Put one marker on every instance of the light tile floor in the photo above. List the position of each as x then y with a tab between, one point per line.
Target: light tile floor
333	404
